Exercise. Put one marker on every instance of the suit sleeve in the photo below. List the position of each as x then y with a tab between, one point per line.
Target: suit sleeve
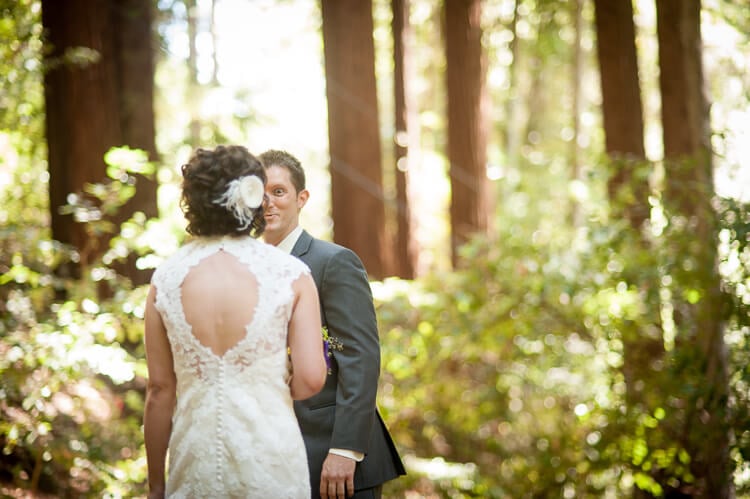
350	316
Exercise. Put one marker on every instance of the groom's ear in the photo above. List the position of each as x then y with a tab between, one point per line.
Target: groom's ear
302	198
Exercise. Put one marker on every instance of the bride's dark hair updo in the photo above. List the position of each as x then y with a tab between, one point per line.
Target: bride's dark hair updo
205	178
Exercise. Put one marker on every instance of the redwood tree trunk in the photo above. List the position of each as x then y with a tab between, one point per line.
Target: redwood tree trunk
193	85
643	346
102	101
135	58
353	131
82	108
622	109
467	134
688	196
405	257
135	64
512	128
576	83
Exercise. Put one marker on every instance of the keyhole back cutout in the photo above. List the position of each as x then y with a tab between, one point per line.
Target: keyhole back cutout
219	298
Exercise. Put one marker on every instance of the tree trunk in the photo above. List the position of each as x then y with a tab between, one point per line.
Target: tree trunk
135	63
467	131
82	108
406	251
513	129
94	103
621	104
467	134
353	132
688	195
193	85
628	190
576	81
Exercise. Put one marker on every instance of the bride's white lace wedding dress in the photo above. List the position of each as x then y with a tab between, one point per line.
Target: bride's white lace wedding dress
234	433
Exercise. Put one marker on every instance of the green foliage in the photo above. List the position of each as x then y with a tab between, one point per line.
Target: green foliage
72	387
70	399
21	92
734	250
73	370
493	365
517	366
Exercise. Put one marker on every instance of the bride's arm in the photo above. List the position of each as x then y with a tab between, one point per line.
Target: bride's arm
305	341
160	397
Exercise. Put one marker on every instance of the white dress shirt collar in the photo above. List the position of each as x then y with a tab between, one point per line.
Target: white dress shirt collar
290	240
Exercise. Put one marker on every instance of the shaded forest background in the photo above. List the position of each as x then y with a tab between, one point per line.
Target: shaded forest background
552	198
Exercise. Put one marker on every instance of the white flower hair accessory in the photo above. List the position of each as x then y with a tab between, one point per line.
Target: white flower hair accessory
242	197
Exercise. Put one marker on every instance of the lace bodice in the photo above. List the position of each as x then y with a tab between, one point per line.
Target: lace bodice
234	433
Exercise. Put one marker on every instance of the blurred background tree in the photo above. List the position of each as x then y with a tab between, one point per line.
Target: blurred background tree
555	220
354	131
98	83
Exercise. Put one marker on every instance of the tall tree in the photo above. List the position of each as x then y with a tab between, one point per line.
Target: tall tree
353	131
688	196
467	131
82	118
98	95
405	247
628	183
576	81
622	109
512	127
135	62
193	85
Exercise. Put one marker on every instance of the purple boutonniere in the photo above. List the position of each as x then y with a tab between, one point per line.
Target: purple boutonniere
330	343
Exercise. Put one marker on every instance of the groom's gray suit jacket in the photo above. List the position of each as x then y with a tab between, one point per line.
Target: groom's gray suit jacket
344	414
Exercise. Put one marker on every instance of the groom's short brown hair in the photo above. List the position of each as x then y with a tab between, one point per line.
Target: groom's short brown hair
275	157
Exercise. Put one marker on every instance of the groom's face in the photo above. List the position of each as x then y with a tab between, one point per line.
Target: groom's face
284	205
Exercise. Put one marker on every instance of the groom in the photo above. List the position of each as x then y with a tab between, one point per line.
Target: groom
349	450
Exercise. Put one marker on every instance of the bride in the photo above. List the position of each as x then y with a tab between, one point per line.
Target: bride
226	315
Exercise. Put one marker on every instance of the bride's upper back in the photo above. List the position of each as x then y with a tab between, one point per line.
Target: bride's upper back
219	297
211	290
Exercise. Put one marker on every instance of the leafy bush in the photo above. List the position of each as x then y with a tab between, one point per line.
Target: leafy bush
72	361
513	368
493	365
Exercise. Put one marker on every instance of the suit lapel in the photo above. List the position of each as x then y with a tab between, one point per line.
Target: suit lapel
301	250
302	245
